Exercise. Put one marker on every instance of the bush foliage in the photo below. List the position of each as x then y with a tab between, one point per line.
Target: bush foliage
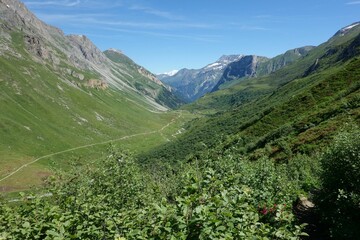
213	197
340	196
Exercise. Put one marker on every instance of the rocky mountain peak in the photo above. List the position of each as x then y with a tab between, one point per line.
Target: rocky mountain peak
230	58
16	15
191	84
171	73
222	62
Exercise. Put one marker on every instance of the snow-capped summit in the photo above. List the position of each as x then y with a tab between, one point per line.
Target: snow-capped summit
172	73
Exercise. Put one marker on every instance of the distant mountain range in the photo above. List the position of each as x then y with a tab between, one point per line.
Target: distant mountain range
191	84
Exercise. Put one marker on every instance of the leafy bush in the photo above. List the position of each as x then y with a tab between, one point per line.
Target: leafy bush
340	197
216	197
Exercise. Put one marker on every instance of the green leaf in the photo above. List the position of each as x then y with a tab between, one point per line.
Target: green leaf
26	225
221	228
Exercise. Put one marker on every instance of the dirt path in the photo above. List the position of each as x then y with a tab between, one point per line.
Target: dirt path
91	145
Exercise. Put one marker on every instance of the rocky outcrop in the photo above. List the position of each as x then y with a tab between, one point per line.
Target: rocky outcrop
35	45
98	84
83	48
244	67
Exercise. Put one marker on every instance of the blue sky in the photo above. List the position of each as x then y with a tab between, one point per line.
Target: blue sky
163	35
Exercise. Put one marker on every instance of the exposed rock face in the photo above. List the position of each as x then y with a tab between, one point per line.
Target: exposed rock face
98	84
255	66
151	76
83	48
35	45
16	16
245	67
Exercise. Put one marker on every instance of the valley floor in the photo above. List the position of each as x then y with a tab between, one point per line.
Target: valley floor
22	175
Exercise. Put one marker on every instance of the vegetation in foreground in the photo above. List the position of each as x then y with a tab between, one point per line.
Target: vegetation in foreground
210	197
227	199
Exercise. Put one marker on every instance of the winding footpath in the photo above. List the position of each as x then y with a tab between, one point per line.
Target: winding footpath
90	145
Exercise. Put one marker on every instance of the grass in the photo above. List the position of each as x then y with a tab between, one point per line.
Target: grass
45	110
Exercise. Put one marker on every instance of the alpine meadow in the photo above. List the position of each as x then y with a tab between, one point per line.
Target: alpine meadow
95	146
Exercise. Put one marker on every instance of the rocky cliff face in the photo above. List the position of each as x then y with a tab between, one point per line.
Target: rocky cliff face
244	67
84	49
254	66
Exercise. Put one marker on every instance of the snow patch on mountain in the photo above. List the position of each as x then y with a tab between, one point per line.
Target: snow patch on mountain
351	26
222	63
170	73
346	29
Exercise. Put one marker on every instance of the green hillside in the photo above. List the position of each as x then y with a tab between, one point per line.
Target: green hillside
44	111
140	80
59	93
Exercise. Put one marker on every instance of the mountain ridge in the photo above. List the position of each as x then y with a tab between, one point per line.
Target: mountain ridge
190	84
255	66
77	49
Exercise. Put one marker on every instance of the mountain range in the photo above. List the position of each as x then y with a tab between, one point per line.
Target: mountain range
191	84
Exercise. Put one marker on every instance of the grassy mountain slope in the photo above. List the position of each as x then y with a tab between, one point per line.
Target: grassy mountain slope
144	81
60	92
294	110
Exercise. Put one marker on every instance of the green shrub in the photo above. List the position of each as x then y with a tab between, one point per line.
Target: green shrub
340	198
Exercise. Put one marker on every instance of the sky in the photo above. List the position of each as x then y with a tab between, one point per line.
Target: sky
164	35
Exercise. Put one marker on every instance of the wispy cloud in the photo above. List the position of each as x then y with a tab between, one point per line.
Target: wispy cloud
67	3
156	12
201	38
353	3
85	4
91	19
248	27
264	16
